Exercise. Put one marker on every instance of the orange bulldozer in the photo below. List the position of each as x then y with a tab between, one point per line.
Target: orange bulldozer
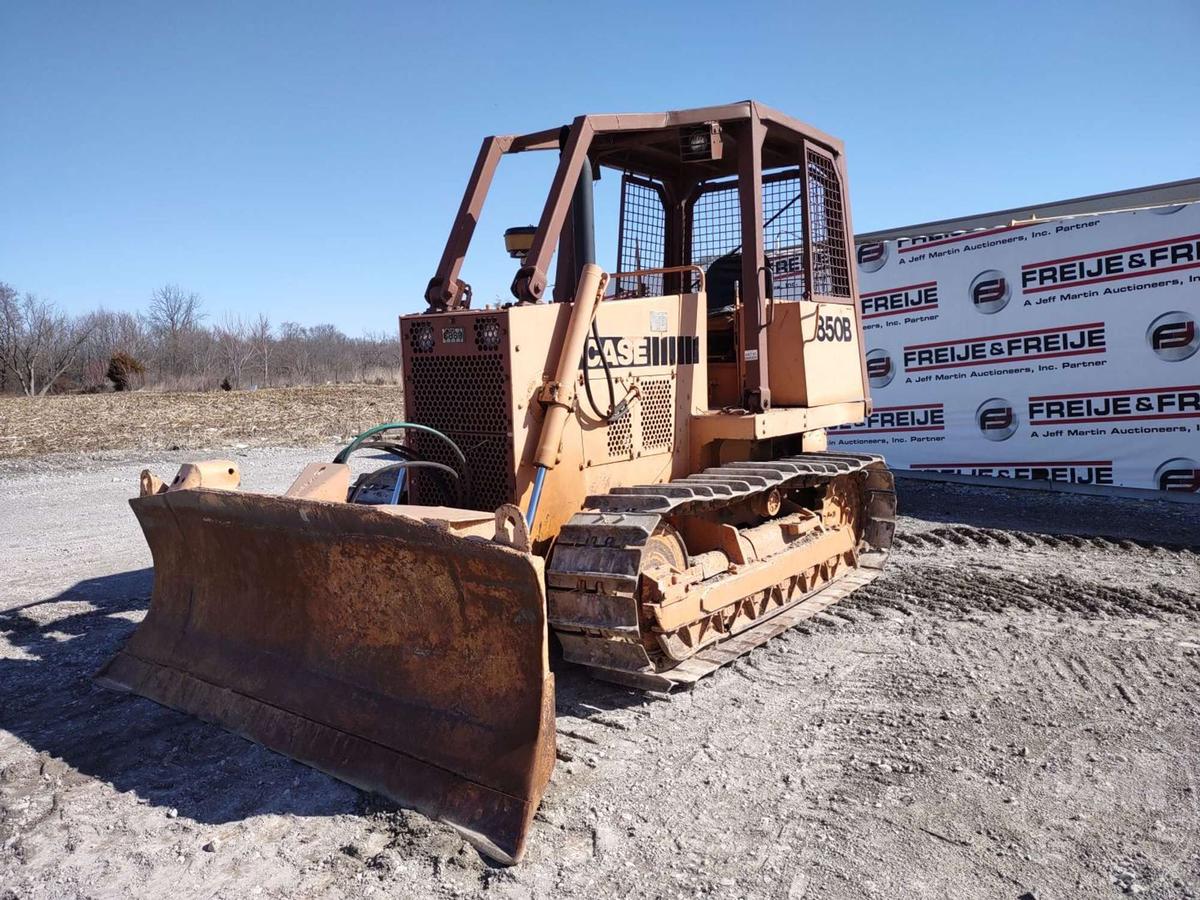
627	471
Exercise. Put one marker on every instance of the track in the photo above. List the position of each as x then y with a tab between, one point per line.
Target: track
595	577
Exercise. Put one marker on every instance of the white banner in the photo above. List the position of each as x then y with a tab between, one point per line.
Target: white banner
1064	350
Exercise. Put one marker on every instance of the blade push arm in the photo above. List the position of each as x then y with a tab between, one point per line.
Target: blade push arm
559	393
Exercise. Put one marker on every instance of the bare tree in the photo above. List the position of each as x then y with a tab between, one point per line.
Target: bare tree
202	360
234	346
394	351
171	347
115	333
8	295
263	343
175	316
373	352
333	349
38	341
295	352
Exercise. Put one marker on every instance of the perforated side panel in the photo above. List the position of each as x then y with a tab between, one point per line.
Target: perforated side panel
620	435
658	413
831	265
465	397
641	243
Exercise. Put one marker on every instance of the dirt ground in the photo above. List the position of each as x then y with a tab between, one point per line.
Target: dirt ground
297	417
1012	709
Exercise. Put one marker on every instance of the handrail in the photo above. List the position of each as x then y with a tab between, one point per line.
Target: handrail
671	270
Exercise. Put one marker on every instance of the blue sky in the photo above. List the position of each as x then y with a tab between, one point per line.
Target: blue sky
306	159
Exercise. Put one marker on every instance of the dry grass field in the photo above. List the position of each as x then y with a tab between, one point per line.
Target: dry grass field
84	423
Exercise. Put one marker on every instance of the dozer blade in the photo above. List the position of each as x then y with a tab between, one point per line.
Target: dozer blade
383	650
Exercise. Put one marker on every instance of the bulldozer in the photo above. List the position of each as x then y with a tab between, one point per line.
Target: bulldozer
624	471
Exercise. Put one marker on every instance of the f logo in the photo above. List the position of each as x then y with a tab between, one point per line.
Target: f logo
1180	474
997	419
990	291
871	257
1173	336
880	370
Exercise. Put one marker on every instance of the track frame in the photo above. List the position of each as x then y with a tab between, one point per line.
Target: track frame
602	599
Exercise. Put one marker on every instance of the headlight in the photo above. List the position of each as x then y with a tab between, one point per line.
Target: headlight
422	337
487	334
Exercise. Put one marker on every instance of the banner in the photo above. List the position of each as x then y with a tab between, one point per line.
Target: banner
1061	350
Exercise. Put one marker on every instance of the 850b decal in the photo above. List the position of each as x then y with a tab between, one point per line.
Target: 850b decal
834	328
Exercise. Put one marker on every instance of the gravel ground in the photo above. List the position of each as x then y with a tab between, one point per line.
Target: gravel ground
1013	708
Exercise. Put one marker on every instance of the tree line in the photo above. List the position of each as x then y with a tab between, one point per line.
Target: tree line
173	345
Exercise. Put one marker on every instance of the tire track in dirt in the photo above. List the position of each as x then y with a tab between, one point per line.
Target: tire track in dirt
896	732
965	591
879	740
965	536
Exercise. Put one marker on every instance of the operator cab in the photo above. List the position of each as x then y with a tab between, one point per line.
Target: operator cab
700	193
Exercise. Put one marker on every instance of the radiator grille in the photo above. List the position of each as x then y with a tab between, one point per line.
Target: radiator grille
465	394
467	398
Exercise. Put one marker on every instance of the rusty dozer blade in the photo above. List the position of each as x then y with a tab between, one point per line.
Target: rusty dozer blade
384	650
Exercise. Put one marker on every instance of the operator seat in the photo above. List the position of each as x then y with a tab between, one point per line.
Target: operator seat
722	278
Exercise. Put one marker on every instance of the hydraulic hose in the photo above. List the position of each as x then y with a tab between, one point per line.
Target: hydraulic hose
587	381
389	426
402	469
531	513
463	485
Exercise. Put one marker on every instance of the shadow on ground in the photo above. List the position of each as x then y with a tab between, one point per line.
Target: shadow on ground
49	652
49	700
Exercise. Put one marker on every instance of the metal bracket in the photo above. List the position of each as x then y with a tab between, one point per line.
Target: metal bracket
443	299
511	528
